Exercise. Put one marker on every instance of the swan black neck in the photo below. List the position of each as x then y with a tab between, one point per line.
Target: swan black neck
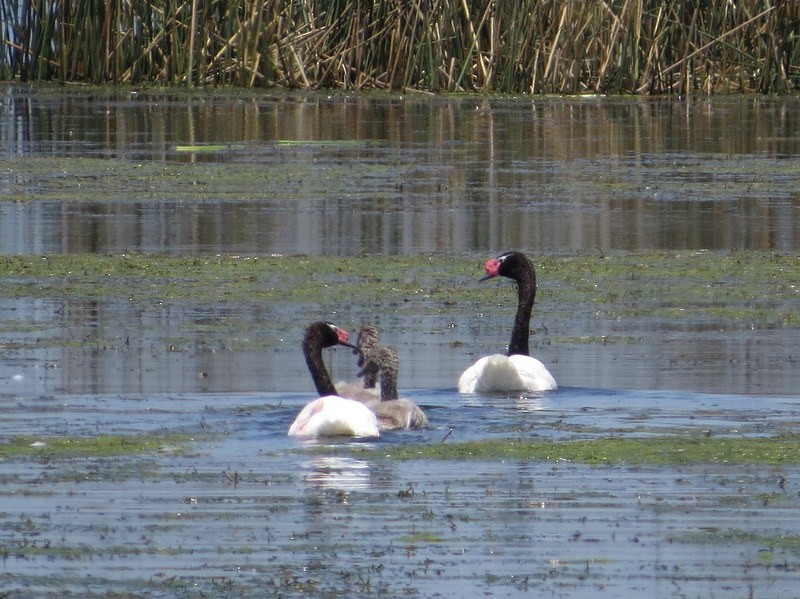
517	266
319	335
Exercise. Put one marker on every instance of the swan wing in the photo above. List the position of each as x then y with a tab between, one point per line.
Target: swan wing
533	375
399	414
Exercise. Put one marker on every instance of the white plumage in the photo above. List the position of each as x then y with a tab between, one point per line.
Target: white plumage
502	373
332	416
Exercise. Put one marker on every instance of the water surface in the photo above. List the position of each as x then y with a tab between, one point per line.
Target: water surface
249	511
338	174
211	172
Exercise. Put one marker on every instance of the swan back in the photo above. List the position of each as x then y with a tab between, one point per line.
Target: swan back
357	391
332	416
397	414
500	373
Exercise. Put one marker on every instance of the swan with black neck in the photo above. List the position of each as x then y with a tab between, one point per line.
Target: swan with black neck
330	415
517	370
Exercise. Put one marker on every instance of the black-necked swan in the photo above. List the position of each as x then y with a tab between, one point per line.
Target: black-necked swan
517	370
330	415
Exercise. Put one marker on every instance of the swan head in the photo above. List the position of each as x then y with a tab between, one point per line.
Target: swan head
367	336
342	336
327	334
510	264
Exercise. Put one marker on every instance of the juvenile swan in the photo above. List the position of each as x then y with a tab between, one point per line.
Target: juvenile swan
364	390
393	413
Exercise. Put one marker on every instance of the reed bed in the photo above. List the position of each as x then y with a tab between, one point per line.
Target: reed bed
507	46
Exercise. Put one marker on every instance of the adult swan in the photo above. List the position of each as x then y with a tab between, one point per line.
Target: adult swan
330	415
516	371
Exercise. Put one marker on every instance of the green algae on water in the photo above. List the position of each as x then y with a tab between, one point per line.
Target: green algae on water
96	446
737	536
734	285
657	451
720	290
421	537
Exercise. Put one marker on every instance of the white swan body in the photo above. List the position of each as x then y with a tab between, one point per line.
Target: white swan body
503	373
333	416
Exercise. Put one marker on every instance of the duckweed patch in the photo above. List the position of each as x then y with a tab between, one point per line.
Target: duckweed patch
65	178
737	536
755	288
619	298
84	551
97	446
279	279
421	537
657	451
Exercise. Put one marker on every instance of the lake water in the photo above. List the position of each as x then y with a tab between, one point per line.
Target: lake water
202	173
397	174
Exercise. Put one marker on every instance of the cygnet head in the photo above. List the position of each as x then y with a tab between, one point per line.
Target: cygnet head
367	342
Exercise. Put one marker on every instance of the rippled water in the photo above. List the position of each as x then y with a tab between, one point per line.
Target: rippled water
245	513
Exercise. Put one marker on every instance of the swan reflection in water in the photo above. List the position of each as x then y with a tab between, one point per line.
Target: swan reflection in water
338	473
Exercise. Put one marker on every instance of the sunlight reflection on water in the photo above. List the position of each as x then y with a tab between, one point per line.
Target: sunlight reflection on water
341	175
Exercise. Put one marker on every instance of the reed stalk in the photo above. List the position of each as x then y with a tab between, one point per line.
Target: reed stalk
511	46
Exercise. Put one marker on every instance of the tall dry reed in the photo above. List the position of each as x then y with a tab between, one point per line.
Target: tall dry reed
512	46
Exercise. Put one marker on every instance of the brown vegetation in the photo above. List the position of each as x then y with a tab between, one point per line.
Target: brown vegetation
511	46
